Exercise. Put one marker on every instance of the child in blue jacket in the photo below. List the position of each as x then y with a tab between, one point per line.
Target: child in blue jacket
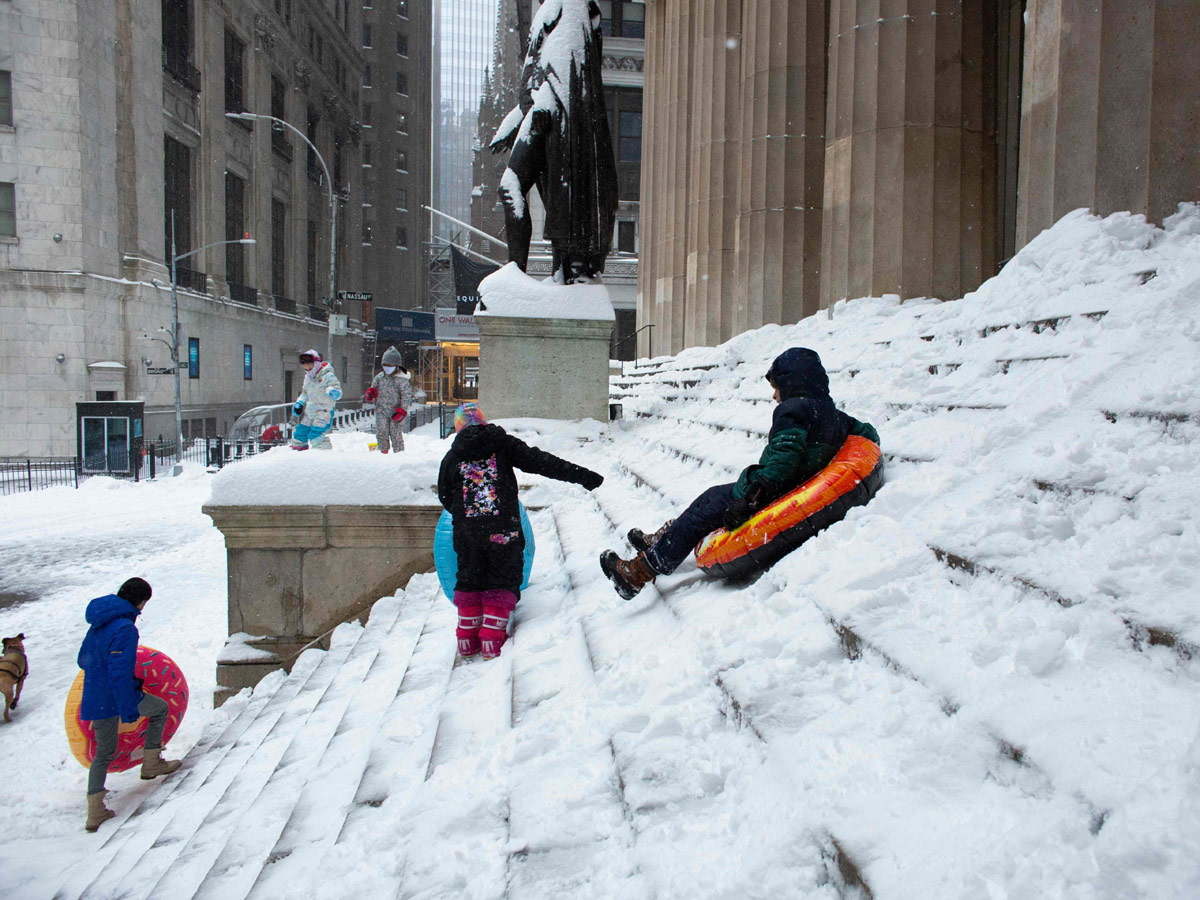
113	694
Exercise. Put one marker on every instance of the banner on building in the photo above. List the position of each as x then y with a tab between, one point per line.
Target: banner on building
395	326
467	275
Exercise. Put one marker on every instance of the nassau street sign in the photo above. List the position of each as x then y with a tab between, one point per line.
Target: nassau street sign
160	370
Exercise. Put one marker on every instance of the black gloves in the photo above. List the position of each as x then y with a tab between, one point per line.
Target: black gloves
591	480
738	511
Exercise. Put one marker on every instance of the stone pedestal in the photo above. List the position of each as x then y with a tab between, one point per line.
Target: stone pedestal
543	368
296	572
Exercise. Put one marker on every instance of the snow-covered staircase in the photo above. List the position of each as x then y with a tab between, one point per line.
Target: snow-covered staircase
981	684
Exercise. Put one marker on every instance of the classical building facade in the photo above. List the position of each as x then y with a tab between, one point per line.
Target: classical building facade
397	47
115	127
803	151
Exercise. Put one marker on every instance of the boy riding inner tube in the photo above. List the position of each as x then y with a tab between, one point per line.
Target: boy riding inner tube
850	479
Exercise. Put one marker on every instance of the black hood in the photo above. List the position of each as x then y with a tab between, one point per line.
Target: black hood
798	372
478	441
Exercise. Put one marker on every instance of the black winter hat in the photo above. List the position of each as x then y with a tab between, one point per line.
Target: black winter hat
136	590
798	372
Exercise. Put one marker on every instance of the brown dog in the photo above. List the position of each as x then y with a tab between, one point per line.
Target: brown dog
13	669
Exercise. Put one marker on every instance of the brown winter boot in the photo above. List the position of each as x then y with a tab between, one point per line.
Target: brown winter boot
154	765
627	576
641	542
97	811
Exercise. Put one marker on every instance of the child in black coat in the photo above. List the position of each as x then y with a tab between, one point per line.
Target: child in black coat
477	486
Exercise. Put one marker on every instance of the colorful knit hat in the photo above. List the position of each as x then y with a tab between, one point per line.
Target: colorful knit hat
468	414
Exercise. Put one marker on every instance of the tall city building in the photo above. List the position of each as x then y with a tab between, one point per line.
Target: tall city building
802	151
136	155
464	31
396	40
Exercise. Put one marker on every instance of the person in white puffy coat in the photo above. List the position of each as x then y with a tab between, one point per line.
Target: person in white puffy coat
392	393
316	403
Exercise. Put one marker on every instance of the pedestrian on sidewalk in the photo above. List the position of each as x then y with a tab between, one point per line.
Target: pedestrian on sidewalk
807	430
113	694
391	392
315	405
477	486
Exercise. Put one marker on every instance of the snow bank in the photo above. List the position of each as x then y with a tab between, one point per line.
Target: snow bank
510	292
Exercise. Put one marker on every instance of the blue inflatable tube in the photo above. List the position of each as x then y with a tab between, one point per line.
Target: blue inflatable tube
446	560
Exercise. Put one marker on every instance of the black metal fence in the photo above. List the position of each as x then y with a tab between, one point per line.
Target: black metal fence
17	475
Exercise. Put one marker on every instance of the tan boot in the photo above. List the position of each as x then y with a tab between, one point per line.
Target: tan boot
97	811
154	765
628	576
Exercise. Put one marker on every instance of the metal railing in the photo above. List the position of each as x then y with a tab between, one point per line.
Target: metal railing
241	293
285	304
191	280
181	70
18	475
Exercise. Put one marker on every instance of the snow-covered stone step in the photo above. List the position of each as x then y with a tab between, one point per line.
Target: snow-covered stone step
262	821
317	818
249	761
257	802
128	842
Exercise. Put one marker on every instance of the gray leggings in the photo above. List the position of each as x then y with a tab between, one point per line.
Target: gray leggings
154	709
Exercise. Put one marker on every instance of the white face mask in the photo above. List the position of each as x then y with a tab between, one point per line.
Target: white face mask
389	370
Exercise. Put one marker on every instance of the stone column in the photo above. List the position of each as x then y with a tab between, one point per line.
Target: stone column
1110	117
782	109
714	158
647	308
910	184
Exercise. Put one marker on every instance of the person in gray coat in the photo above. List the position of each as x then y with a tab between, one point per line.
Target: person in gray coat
391	392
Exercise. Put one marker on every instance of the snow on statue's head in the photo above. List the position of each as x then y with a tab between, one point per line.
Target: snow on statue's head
559	38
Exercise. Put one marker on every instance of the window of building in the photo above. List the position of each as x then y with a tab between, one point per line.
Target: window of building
247	362
235	228
177	184
106	397
312	262
366	36
630	136
177	42
401	123
401	237
623	18
367	4
401	161
401	198
367	75
402	8
368	115
8	209
6	98
193	357
367	229
366	193
401	83
312	122
626	236
366	156
235	73
278	248
402	43
279	140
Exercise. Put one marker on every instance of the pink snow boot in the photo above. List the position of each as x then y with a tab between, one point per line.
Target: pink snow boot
497	607
470	617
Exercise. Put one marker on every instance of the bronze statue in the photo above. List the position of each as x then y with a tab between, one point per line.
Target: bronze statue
559	137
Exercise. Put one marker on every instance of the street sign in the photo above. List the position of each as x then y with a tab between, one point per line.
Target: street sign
399	325
365	296
338	324
160	370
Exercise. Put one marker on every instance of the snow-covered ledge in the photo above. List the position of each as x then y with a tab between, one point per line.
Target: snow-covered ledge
312	540
543	347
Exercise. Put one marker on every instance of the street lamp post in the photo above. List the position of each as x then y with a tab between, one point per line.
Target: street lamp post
173	344
250	117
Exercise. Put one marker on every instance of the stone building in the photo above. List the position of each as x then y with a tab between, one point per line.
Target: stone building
802	151
113	118
396	41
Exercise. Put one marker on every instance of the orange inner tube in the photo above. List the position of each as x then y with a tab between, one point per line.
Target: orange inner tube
856	459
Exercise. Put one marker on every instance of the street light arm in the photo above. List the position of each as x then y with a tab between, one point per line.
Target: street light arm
250	117
213	244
